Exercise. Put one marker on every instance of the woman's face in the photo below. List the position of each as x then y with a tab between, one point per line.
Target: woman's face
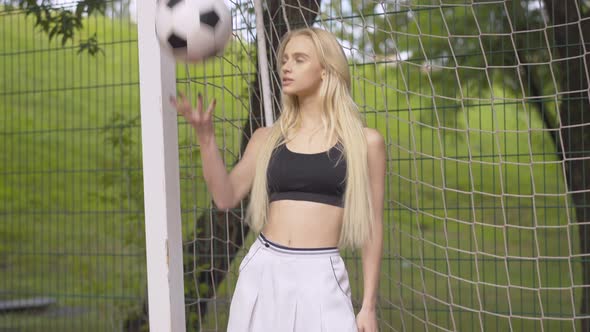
301	71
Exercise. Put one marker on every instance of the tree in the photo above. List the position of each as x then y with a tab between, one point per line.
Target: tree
455	36
507	39
62	22
278	19
570	30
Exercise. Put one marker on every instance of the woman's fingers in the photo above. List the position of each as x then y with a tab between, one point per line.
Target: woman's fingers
178	105
211	107
173	101
195	116
199	102
181	104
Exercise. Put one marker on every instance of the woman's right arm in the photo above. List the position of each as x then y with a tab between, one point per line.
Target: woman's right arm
229	189
226	189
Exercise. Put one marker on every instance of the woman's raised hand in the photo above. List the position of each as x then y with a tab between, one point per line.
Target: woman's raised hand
201	121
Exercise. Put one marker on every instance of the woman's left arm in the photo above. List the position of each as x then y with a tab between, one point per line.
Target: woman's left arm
372	250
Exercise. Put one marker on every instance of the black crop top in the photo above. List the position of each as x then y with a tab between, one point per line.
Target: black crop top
316	177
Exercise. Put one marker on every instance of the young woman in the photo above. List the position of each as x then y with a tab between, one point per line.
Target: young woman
316	184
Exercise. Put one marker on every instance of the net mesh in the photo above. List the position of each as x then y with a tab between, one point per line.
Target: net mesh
480	228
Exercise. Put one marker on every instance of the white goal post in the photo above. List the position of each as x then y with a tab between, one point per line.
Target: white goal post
161	178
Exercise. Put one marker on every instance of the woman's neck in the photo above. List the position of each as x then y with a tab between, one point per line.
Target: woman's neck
311	110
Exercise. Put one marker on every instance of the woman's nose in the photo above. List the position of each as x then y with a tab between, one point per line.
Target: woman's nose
286	67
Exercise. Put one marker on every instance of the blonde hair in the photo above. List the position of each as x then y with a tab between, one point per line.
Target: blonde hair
341	118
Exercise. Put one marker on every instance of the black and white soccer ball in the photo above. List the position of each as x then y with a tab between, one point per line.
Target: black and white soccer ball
193	30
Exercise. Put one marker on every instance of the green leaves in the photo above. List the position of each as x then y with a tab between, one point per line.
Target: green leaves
90	45
90	6
63	22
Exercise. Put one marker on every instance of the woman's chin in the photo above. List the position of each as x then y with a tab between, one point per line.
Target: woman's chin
289	92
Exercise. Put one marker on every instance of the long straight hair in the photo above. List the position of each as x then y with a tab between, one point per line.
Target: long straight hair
341	119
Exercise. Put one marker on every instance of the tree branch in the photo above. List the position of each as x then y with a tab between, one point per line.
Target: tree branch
63	22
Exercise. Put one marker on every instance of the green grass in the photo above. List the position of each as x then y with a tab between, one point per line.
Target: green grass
64	233
71	219
471	217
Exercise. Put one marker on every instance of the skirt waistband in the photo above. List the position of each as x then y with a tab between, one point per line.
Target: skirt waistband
328	251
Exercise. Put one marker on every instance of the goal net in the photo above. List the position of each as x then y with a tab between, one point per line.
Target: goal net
483	105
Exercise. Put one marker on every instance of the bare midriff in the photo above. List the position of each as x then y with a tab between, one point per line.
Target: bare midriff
303	224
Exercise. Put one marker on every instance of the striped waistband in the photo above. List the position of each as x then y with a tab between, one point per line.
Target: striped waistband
296	251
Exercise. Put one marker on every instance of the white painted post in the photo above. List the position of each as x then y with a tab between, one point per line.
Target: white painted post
263	67
161	178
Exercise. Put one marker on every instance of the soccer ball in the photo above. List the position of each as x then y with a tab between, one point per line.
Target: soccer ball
193	30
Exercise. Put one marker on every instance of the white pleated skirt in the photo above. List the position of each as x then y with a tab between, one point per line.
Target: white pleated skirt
282	289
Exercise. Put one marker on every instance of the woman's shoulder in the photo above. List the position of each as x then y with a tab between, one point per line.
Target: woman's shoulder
261	133
264	129
376	151
259	137
373	137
